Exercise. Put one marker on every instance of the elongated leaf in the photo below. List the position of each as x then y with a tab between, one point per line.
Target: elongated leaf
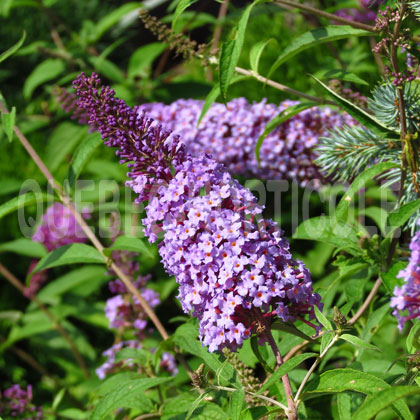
341	380
124	395
382	399
400	216
328	229
360	182
21	201
24	246
142	59
8	121
390	279
290	329
316	37
413	340
356	341
360	115
44	72
128	243
195	404
322	318
180	7
214	94
231	50
236	402
341	74
13	48
285	368
70	254
256	52
344	406
256	349
288	113
378	215
112	18
82	155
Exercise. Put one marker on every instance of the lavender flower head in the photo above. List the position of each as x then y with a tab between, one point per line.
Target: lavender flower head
407	297
230	133
58	227
235	271
16	402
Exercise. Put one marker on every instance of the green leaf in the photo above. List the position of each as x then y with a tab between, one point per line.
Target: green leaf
58	398
316	37
289	328
356	341
285	368
256	349
378	215
81	156
69	281
111	19
214	94
70	254
181	6
256	52
231	51
341	380
382	399
21	201
390	279
344	406
341	212
398	217
142	59
13	49
360	115
108	69
129	243
61	143
125	394
236	402
8	121
286	114
24	246
322	319
44	72
138	355
341	74
186	337
413	339
328	229
195	404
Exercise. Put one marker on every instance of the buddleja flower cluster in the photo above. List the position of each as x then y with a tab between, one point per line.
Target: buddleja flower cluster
235	270
229	133
126	315
58	227
16	402
407	297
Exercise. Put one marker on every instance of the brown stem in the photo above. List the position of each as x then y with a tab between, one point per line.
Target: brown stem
16	283
292	411
323	14
281	87
91	236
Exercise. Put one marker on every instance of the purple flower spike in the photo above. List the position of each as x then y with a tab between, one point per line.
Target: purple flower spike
407	297
233	267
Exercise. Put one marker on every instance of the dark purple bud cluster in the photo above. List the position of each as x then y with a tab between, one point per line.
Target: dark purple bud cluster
407	297
229	134
146	149
16	403
233	267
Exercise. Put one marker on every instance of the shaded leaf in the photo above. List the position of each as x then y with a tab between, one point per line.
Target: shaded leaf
8	121
341	74
21	201
143	57
236	402
129	243
24	246
44	72
13	48
256	52
322	319
413	340
180	7
316	37
398	217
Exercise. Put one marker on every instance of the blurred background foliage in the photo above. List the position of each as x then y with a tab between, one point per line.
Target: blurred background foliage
65	37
